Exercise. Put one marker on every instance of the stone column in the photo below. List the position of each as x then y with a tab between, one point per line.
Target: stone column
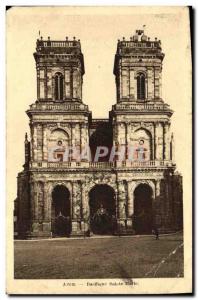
76	200
72	141
31	143
157	189
132	84
45	154
150	85
155	142
116	134
76	208
159	140
125	82
39	142
32	202
130	208
126	139
120	83
80	85
157	204
34	208
49	84
38	83
71	83
36	201
34	142
160	84
84	138
128	130
85	208
45	83
172	148
75	78
67	83
156	81
130	204
48	202
40	203
135	86
122	218
152	154
42	83
166	142
47	210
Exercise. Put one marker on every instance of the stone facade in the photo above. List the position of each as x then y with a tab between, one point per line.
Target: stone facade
52	188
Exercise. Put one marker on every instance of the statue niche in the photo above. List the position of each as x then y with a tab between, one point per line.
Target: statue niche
58	146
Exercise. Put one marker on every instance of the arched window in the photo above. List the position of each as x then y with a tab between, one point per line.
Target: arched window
141	86
58	86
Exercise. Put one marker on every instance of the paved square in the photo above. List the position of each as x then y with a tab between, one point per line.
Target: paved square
108	257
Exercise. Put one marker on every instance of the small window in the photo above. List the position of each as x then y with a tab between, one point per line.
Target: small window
141	86
58	86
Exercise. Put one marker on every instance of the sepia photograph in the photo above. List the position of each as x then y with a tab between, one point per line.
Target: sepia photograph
99	150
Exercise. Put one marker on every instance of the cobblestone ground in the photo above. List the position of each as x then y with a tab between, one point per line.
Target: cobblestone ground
116	257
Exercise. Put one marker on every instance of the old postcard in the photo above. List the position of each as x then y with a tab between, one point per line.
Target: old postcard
99	150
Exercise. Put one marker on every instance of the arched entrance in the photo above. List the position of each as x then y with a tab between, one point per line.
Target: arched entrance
102	209
143	209
61	220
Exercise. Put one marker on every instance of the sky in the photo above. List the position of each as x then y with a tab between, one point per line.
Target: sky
98	29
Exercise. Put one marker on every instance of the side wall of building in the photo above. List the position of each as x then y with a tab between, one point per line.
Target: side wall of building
23	205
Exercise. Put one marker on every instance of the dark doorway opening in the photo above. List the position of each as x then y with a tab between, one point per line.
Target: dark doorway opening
61	219
143	209
102	210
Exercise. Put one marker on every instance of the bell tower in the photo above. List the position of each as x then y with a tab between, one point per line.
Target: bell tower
58	119
138	69
60	69
140	117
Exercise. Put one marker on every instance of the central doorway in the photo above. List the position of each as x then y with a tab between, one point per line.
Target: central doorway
61	220
102	209
143	209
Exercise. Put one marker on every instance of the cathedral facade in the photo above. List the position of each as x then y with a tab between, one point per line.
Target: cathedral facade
99	176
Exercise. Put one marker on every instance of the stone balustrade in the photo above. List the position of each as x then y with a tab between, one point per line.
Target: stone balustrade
142	107
104	165
60	106
57	44
101	165
140	44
